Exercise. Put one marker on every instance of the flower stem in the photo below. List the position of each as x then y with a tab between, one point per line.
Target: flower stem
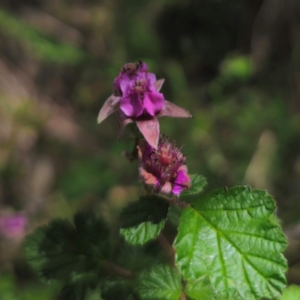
117	270
168	248
178	203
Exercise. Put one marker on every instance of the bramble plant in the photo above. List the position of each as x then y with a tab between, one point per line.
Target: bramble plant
173	242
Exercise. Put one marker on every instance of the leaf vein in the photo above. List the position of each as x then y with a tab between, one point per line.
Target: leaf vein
254	235
222	262
247	278
233	209
238	250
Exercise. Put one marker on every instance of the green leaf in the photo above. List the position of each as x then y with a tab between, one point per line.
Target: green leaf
198	290
291	293
162	282
201	289
66	252
143	220
119	289
72	292
197	184
94	294
32	290
228	236
135	258
142	233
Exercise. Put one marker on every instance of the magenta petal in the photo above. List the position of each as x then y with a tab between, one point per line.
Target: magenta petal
109	106
182	181
132	105
150	131
171	110
123	120
182	176
177	189
153	102
125	84
158	84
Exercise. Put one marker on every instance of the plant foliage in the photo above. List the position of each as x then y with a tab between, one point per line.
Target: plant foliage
228	236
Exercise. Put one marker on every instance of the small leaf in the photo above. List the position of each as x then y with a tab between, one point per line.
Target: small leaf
143	220
197	184
162	282
228	236
142	233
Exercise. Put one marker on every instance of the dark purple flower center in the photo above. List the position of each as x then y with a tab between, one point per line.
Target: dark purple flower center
164	162
140	87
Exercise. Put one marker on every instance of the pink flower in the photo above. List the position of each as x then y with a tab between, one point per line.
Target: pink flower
136	98
163	168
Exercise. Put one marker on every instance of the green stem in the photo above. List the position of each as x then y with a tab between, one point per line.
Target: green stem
182	296
178	203
117	270
168	248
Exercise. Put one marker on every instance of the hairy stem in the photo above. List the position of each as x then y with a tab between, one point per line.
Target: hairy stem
168	248
178	203
117	270
182	296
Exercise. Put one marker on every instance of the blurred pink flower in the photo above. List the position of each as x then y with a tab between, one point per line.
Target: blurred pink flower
136	98
13	226
163	169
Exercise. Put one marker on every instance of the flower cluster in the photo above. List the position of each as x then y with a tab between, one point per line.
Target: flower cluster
137	98
163	169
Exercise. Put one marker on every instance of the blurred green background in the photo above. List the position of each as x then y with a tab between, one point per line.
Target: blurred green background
235	64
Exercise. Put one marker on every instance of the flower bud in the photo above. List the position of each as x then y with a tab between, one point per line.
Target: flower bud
163	169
